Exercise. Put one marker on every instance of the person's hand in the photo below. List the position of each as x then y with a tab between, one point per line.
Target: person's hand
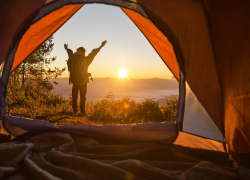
66	46
103	43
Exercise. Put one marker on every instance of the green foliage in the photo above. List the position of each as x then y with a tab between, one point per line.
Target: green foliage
38	104
29	92
150	110
36	69
123	111
30	95
111	111
170	109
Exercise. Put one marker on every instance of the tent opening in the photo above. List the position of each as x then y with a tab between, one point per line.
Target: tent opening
148	93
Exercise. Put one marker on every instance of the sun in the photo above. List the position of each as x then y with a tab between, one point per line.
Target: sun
123	73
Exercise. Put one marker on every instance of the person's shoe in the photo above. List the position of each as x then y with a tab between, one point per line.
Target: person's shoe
82	114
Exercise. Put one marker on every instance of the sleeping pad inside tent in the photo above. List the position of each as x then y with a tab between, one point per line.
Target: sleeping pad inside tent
205	44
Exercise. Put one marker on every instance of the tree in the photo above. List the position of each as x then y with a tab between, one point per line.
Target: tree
36	67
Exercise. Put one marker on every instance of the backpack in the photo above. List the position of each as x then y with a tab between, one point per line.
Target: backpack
75	68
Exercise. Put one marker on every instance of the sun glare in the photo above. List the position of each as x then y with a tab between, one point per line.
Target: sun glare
122	73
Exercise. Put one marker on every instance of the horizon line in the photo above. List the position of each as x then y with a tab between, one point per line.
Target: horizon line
122	78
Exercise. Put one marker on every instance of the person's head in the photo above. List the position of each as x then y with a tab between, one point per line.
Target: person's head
81	50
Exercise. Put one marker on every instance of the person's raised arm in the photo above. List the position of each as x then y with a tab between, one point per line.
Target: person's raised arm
94	52
69	51
103	43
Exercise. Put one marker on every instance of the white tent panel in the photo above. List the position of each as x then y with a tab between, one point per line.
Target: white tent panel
196	119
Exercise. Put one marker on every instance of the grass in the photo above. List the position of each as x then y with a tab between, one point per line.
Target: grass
34	103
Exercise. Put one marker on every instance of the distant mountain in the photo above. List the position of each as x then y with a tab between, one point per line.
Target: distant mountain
137	88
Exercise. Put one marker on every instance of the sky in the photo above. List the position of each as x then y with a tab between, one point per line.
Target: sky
126	47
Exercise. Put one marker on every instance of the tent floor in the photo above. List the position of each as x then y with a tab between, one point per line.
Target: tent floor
59	155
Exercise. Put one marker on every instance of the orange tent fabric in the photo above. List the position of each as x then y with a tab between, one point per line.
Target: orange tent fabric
13	15
230	27
188	23
41	30
157	40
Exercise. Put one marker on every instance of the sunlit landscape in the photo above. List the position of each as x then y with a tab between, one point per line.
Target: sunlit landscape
131	84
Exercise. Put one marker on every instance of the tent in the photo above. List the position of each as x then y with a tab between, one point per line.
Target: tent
205	44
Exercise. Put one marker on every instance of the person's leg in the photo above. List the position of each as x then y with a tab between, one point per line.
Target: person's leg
83	92
75	89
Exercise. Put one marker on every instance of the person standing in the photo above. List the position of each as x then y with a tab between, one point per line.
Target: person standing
79	75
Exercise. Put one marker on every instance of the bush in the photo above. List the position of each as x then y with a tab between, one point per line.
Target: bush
31	96
123	111
111	111
150	111
170	109
33	102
